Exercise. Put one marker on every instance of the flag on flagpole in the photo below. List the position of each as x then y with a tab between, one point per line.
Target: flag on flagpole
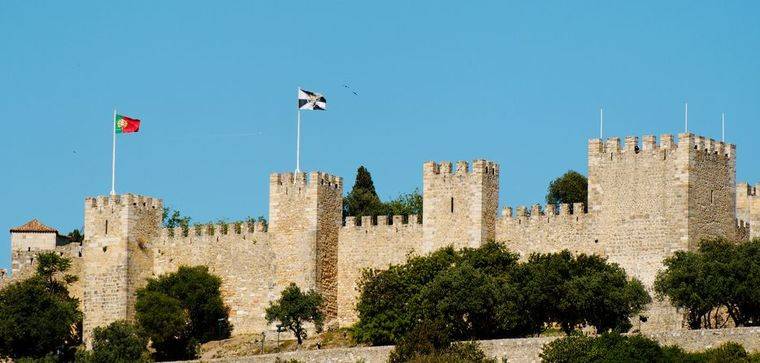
125	125
308	100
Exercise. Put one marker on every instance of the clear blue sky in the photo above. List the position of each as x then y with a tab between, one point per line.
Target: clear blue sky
215	85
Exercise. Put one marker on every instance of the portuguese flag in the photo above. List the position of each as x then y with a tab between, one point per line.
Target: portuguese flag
125	125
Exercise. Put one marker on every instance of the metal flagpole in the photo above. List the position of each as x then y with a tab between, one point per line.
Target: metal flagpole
601	123
298	143
113	154
723	127
686	117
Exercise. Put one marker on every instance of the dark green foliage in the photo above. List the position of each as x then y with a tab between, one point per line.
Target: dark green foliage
720	276
404	205
173	218
430	342
364	201
581	290
294	308
485	293
75	236
571	187
120	341
613	347
179	310
608	347
38	318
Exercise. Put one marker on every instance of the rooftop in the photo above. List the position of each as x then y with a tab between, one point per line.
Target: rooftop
34	226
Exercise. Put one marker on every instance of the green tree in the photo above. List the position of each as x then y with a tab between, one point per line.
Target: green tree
294	308
571	187
173	218
120	341
38	318
181	309
719	275
75	236
405	204
363	199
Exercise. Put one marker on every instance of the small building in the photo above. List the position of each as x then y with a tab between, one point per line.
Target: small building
35	236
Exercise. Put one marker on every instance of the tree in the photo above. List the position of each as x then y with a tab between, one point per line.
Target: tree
571	187
405	204
294	308
363	199
37	316
720	275
75	236
120	341
173	218
181	309
608	347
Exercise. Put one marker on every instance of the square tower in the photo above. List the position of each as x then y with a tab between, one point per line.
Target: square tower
748	207
459	207
304	221
117	258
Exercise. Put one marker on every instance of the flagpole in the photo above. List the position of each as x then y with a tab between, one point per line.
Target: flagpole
723	127
298	143
686	117
113	154
601	123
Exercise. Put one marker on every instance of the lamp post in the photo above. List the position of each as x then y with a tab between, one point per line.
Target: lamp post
280	329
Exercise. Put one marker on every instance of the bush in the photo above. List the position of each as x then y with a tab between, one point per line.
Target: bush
430	342
571	187
120	341
613	347
180	310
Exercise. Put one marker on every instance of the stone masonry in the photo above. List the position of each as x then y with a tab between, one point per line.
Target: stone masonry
646	201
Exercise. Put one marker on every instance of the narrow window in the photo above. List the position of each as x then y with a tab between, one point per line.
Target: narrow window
106	226
452	204
712	196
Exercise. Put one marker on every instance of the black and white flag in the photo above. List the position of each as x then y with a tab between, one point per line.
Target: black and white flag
311	100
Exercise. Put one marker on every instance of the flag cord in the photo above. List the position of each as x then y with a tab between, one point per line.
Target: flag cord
113	154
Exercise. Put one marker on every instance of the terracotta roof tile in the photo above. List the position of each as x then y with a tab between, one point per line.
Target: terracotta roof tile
33	226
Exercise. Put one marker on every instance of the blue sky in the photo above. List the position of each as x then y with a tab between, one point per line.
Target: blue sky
215	84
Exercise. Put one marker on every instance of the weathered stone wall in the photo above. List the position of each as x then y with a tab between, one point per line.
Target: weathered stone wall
33	241
547	231
241	257
116	255
460	206
25	263
371	246
516	350
748	207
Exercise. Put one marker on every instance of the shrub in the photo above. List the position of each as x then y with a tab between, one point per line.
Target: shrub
120	341
294	308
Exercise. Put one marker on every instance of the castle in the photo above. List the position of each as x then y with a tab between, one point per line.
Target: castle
645	201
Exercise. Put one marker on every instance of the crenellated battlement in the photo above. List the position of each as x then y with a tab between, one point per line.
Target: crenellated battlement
550	210
210	230
315	178
649	145
124	200
379	221
479	166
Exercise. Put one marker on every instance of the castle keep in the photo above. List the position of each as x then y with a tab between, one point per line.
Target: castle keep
646	201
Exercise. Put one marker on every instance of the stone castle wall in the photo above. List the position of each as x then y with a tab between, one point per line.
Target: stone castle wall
748	207
239	254
374	246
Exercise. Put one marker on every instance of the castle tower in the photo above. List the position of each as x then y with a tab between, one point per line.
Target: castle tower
29	239
304	221
670	194
117	258
459	207
650	200
748	207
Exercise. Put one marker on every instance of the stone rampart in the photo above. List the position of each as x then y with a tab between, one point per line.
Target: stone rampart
239	254
375	246
534	230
